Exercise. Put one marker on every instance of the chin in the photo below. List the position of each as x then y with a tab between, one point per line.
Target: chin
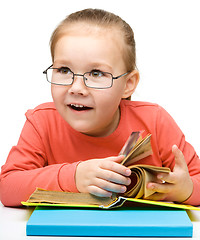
82	128
88	131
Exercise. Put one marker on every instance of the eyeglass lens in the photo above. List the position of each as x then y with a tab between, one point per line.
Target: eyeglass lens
94	79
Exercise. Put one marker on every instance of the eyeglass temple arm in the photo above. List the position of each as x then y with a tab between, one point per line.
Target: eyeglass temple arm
121	75
45	71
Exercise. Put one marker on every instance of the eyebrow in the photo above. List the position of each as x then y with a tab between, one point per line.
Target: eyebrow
90	65
101	64
61	62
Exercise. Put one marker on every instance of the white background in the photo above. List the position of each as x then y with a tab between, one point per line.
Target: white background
167	34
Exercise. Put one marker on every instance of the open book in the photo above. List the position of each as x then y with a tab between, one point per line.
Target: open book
134	150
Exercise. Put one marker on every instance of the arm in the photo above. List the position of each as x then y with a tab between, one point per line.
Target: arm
27	167
33	163
183	183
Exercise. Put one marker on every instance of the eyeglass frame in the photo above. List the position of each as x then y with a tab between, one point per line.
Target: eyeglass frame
84	78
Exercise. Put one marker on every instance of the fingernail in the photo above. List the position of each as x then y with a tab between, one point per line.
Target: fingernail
123	189
129	181
128	172
174	147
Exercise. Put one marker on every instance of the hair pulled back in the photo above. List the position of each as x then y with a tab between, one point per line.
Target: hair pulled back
104	19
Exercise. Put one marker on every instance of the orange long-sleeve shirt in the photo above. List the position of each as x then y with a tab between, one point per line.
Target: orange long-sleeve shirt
49	150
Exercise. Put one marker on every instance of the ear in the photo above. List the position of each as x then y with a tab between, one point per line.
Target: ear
132	81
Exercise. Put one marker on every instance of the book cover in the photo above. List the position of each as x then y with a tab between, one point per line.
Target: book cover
120	222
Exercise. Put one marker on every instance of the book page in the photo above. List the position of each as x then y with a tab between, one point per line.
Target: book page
45	196
140	149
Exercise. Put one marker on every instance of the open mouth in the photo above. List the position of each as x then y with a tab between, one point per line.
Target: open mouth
78	107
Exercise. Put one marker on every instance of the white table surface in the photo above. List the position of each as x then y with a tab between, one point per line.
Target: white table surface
13	226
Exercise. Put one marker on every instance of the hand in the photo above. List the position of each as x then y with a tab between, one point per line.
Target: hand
102	177
177	186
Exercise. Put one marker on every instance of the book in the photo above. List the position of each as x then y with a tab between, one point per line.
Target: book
135	148
118	222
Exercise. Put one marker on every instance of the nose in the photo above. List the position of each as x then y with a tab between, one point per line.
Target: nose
78	86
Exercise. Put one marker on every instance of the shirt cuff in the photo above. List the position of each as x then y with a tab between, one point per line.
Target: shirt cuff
194	199
66	177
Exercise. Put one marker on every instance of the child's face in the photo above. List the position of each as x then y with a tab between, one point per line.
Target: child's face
83	50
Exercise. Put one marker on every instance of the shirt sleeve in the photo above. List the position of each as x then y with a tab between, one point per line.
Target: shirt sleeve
27	168
168	134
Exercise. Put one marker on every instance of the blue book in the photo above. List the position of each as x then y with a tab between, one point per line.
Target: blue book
120	222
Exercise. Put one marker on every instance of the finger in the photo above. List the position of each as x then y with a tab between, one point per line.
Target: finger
115	167
179	164
113	177
157	197
109	186
179	158
160	188
117	159
98	191
166	178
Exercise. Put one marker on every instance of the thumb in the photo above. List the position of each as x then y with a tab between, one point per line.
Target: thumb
179	158
117	159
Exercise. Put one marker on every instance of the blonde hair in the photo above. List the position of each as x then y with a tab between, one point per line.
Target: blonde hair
102	19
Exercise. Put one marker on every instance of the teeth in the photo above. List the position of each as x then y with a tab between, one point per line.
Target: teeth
77	105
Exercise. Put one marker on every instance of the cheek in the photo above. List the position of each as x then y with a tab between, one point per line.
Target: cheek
108	102
114	94
58	93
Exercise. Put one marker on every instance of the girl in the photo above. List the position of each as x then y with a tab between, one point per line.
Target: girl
72	144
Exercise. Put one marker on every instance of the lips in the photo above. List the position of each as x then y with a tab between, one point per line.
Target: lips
78	107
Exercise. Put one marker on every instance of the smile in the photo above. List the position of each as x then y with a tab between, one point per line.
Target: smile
79	107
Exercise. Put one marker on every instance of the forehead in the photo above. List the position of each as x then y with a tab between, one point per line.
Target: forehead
92	40
111	33
90	28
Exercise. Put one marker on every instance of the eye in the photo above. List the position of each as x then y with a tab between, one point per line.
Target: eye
64	70
96	73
